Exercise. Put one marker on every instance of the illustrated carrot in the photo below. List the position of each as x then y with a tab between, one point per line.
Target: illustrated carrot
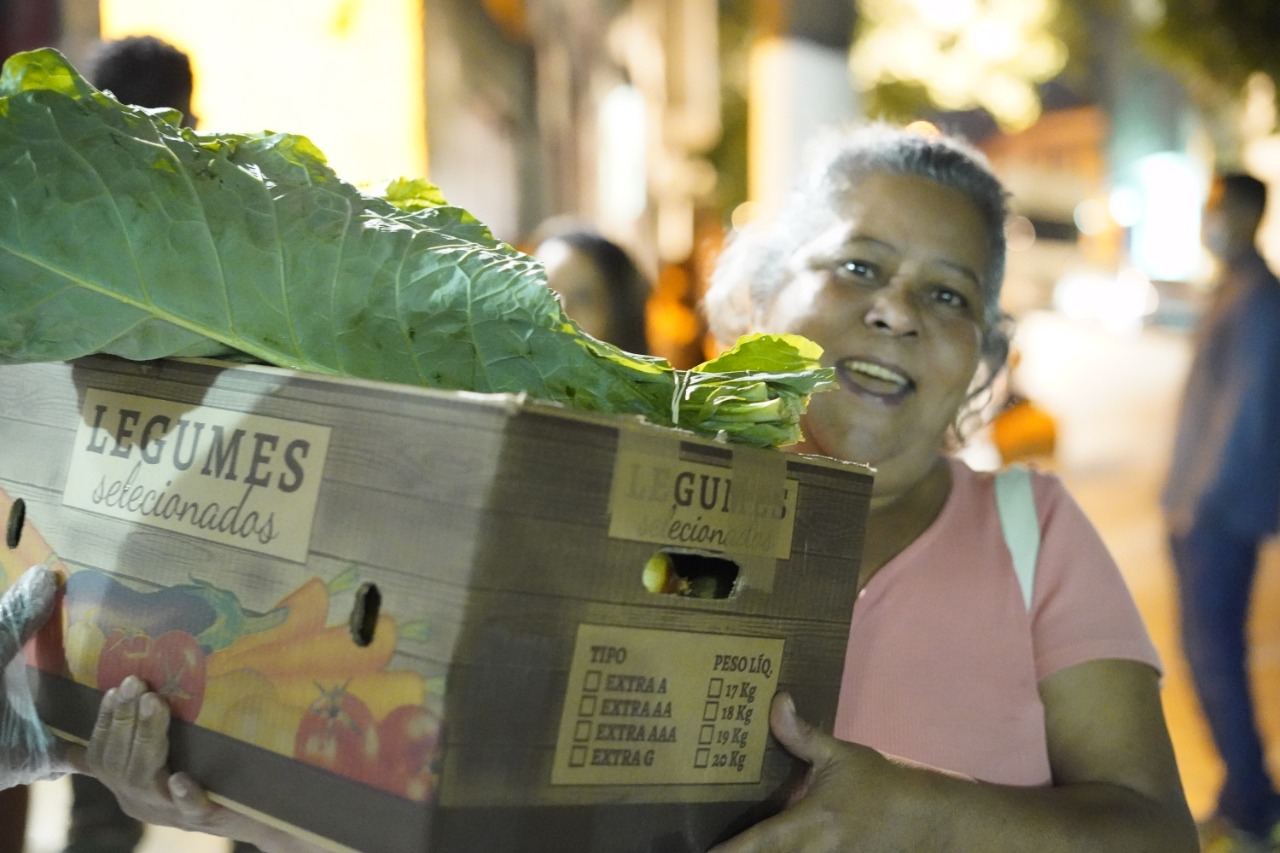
307	611
329	653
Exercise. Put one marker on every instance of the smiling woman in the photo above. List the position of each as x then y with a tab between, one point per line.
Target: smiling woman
895	300
1007	723
910	228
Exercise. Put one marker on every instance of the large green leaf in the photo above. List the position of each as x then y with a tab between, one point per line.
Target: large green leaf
123	233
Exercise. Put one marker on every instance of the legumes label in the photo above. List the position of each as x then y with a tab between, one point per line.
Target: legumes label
224	476
746	508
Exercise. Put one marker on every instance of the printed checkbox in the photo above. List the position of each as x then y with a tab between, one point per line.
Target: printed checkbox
587	706
702	758
715	687
582	731
578	756
591	682
711	711
706	734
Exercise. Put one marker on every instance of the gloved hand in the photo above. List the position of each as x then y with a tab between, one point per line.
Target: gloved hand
28	752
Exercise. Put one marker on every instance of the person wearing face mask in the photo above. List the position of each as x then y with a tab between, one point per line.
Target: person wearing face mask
1222	501
981	708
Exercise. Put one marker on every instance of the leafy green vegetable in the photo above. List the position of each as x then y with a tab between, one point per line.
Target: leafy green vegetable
123	233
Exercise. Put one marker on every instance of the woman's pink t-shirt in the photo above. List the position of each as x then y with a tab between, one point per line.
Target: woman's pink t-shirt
943	657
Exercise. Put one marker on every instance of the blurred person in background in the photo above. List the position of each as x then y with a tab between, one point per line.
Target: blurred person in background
977	711
600	286
1222	501
145	71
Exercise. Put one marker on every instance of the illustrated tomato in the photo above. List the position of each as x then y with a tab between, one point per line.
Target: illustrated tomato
410	748
123	653
175	668
338	733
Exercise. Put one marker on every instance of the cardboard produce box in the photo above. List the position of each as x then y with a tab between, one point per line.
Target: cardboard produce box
397	619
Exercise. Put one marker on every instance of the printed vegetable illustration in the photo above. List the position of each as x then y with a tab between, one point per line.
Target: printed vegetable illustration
101	599
285	680
339	733
245	705
172	664
230	621
175	668
214	616
381	690
191	243
23	548
84	646
123	654
304	689
409	744
303	611
31	549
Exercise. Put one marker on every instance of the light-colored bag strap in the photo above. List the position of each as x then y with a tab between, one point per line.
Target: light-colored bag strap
1016	504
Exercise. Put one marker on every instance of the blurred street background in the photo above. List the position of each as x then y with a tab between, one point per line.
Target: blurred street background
667	124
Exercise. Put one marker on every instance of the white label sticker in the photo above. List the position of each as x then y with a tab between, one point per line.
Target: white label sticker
229	477
665	707
738	510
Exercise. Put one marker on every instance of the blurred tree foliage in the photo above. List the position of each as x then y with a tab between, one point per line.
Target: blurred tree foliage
1216	45
1213	46
1076	23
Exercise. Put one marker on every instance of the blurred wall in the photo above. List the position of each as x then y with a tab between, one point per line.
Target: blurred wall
800	85
480	88
348	74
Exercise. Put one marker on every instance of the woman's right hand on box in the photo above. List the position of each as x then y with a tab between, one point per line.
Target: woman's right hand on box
129	753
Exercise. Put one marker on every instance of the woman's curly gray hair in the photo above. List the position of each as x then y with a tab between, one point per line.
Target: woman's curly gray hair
754	265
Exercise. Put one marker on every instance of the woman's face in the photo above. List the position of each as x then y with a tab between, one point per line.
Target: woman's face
892	292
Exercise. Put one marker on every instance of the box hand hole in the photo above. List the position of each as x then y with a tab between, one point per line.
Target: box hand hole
17	515
690	575
364	614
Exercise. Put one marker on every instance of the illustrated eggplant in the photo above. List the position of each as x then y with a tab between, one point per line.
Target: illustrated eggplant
212	615
231	620
110	604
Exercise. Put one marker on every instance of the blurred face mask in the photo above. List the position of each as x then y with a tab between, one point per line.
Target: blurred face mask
1213	232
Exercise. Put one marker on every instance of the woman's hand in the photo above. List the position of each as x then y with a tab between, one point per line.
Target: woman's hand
129	753
1116	783
28	752
842	804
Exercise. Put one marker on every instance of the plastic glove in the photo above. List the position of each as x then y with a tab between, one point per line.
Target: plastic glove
28	752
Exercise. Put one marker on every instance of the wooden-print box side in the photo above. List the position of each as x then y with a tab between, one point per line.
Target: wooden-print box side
610	715
280	709
506	555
